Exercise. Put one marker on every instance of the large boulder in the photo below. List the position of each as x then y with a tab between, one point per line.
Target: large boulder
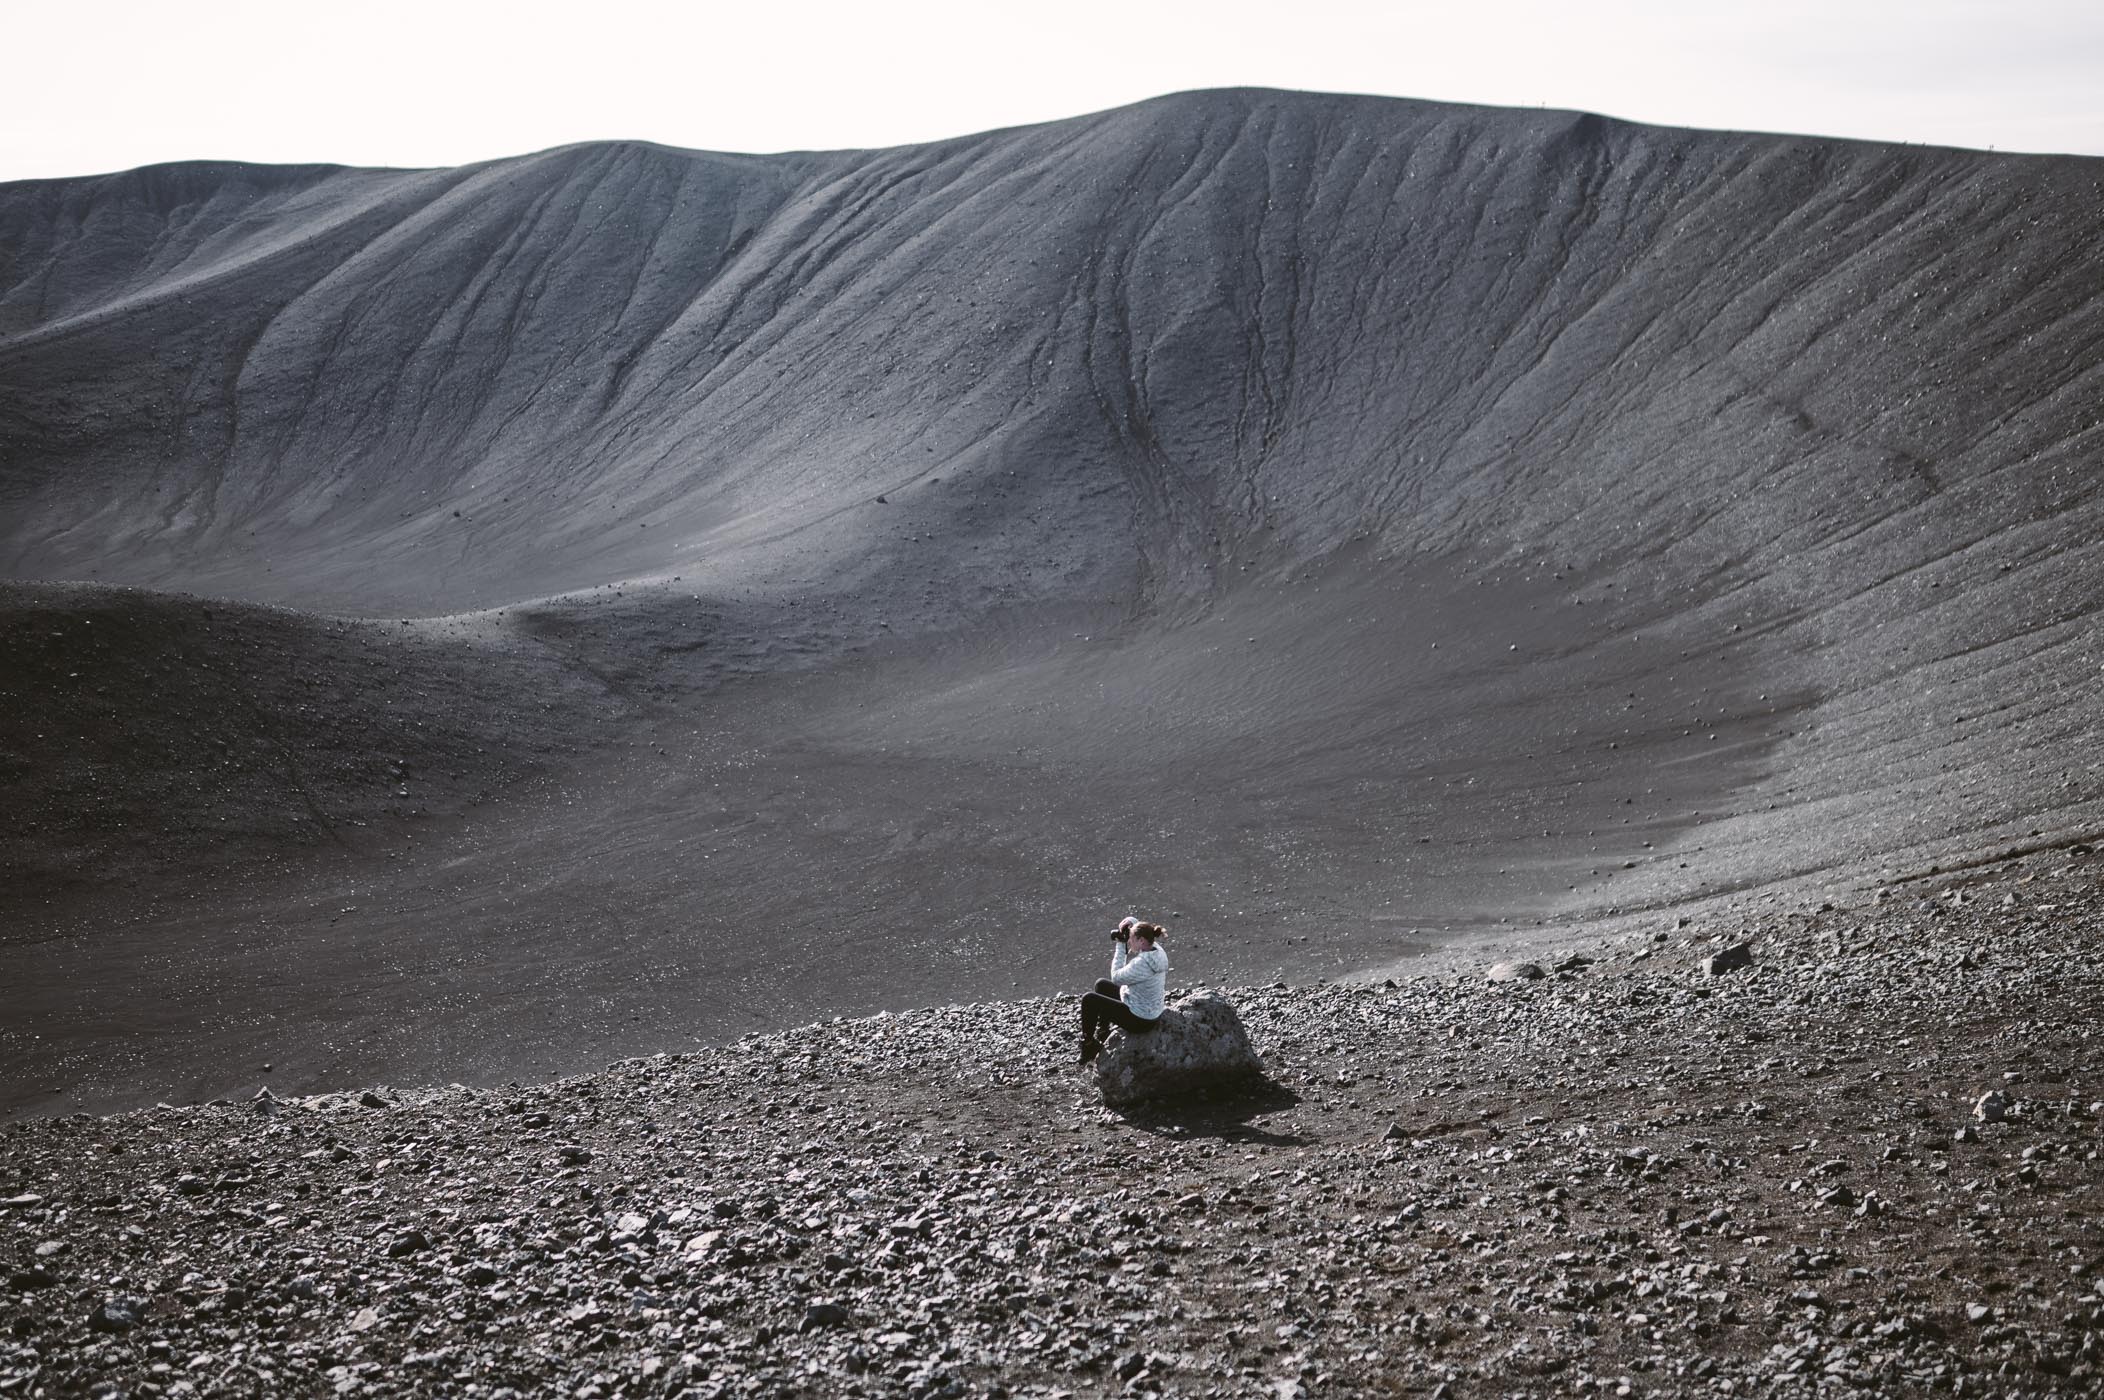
1199	1050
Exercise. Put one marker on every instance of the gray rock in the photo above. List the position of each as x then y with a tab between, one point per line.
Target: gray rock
369	1099
26	1201
1517	972
1991	1107
823	1314
1198	1049
1732	959
117	1315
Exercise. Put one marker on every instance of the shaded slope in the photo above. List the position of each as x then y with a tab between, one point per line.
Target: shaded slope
146	736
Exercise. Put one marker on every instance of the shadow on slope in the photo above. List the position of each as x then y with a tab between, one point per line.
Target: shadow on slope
151	740
1319	771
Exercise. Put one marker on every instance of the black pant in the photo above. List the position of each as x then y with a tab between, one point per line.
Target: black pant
1104	1008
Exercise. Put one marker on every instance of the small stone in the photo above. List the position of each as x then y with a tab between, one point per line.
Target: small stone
481	1274
823	1314
365	1320
369	1099
1991	1107
189	1185
1516	972
26	1201
408	1242
116	1315
573	1155
1732	959
1978	1312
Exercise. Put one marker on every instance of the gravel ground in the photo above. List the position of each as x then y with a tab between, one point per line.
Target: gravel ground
1624	1177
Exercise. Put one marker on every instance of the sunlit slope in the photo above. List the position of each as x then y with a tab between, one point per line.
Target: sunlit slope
1252	320
1820	415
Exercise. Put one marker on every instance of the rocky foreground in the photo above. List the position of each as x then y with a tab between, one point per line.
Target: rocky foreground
1868	1162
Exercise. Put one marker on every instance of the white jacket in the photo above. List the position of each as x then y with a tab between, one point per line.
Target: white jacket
1141	979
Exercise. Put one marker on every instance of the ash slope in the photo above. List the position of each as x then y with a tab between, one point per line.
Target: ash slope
1217	328
1771	1182
996	529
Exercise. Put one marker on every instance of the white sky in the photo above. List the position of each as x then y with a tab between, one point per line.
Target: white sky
116	83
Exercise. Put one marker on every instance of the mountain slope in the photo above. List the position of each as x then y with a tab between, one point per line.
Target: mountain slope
1339	519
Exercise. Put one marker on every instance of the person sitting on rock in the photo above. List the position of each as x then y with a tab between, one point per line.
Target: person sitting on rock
1131	997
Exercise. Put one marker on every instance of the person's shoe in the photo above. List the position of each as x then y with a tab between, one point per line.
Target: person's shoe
1090	1049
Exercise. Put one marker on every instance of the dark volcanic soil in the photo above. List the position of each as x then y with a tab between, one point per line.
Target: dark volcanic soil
471	623
1311	798
1625	1179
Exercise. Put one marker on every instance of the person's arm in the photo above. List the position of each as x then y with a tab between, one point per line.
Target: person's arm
1139	969
1118	953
